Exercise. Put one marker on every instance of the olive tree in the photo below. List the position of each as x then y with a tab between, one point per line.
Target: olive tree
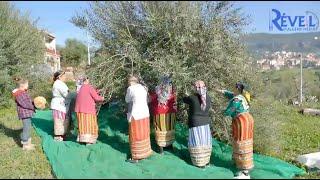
190	40
21	47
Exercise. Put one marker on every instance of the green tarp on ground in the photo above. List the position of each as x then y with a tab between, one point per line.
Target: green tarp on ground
106	159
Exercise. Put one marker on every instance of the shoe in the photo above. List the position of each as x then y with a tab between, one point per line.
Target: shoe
28	146
132	161
243	175
58	138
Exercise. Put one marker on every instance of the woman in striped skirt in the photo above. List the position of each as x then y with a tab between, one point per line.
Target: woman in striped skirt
163	107
86	113
59	92
242	129
139	123
200	140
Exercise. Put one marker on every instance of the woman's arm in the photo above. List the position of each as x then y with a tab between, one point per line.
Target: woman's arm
220	91
94	94
128	96
151	97
228	94
63	90
24	100
186	99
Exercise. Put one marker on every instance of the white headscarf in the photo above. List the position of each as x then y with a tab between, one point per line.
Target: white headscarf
202	91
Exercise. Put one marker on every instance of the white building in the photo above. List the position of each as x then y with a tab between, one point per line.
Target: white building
52	56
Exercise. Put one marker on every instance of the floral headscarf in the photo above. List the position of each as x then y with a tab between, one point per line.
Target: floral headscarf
202	91
164	90
79	82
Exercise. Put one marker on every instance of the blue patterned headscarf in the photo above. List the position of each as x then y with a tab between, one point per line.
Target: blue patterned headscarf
164	90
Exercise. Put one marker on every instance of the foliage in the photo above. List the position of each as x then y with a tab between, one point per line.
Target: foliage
284	85
21	46
74	53
190	40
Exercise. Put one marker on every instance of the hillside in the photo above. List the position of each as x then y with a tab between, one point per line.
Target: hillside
261	42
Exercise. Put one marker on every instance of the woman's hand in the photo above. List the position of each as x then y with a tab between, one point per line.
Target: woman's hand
220	90
186	92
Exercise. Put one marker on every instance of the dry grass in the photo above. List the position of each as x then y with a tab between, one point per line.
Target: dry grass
282	132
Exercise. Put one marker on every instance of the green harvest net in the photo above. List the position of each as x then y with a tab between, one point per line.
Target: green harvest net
106	159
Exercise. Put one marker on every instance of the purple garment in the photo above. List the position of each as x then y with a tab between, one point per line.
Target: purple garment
25	107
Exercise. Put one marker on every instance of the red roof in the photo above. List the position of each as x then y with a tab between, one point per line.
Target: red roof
52	52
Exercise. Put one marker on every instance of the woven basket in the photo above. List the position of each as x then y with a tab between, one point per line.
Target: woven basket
165	138
200	156
40	102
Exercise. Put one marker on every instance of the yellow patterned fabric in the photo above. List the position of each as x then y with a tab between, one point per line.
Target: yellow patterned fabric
164	126
88	128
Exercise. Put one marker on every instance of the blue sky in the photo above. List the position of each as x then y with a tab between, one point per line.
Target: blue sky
55	16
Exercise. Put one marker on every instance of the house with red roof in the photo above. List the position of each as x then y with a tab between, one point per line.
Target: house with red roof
52	56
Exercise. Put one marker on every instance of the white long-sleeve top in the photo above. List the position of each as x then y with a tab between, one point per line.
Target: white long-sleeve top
59	93
136	97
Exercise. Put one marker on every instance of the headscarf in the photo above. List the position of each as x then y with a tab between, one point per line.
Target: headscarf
164	90
241	87
58	74
202	92
133	78
80	82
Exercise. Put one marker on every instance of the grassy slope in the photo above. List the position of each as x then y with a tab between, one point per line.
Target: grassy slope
280	131
14	162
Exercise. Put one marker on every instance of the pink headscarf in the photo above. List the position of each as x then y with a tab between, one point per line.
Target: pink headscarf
202	91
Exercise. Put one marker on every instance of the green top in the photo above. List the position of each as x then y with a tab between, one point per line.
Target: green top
237	104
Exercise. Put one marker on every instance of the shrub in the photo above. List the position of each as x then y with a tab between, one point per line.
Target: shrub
21	46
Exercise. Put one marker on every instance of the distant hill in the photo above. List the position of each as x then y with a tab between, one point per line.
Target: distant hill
258	43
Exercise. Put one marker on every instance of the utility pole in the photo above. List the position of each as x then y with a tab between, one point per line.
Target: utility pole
301	46
88	43
89	62
301	78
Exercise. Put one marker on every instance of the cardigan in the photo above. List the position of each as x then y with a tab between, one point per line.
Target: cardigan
197	117
86	100
237	104
170	107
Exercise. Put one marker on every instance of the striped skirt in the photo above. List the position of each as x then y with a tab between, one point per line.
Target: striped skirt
200	145
139	138
87	128
164	126
61	124
242	133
